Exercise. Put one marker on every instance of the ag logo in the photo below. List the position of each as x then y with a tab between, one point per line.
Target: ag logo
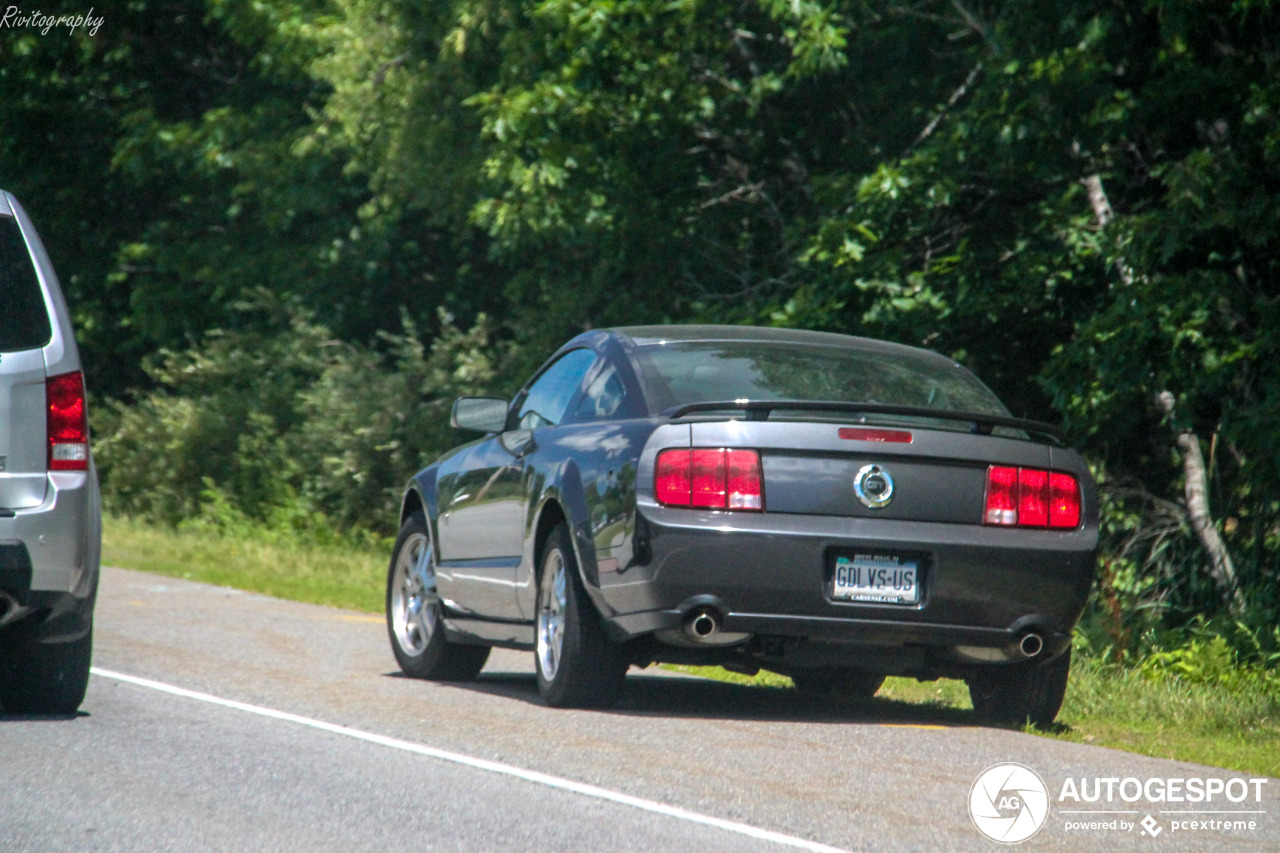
1009	803
873	486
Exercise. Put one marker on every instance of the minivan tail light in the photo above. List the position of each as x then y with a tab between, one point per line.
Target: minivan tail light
1031	497
67	422
710	478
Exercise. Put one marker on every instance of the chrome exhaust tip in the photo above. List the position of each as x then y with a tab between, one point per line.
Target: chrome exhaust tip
1030	645
702	624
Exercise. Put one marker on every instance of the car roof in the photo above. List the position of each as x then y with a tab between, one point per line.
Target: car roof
633	336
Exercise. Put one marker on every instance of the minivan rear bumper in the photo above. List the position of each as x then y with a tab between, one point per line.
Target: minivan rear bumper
49	558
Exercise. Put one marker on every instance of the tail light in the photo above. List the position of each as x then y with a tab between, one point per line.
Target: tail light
1064	500
68	424
1031	497
710	478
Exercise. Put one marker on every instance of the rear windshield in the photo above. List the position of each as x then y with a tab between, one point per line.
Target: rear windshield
678	373
24	323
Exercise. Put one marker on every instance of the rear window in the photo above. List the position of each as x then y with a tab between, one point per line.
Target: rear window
679	373
24	323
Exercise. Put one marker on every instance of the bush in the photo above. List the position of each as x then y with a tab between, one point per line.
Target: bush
278	423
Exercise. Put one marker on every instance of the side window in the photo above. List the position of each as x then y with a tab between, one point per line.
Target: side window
549	398
24	323
603	397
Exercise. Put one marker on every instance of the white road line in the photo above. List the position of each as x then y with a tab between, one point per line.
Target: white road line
480	764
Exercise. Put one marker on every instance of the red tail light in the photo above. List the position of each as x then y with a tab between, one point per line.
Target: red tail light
672	480
68	425
1002	496
1064	500
710	478
1031	497
745	484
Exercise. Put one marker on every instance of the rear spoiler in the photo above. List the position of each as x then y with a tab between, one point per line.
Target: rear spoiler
759	410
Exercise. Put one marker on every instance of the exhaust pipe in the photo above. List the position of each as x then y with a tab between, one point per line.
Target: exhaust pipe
1025	646
702	624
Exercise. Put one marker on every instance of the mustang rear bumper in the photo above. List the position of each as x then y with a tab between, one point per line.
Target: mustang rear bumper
769	574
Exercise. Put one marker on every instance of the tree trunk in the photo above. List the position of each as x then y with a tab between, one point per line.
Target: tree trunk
1221	569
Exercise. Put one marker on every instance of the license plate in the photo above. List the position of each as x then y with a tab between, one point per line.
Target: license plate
877	578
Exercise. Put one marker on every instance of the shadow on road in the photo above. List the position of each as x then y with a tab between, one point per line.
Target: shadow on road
6	717
652	695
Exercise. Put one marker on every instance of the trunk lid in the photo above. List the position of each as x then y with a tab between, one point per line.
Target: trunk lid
808	468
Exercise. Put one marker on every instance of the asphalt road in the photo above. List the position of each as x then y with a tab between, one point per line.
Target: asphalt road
222	720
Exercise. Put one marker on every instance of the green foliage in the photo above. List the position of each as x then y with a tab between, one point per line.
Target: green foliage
919	172
1201	653
278	422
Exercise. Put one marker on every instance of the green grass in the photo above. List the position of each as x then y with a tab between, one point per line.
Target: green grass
1238	729
352	576
1235	727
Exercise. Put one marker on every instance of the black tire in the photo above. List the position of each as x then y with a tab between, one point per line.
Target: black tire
415	622
46	678
841	681
587	671
1020	694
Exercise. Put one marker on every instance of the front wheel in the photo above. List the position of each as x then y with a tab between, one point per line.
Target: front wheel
415	619
577	665
1021	693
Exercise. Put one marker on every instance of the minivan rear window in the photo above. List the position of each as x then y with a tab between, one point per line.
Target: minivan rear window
24	322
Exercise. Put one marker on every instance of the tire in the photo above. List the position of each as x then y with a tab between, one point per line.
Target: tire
839	681
1022	694
46	678
415	621
577	665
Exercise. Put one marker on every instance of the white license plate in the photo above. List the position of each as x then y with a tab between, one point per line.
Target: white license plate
877	578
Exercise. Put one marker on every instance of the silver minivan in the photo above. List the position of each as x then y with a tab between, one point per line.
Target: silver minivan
50	507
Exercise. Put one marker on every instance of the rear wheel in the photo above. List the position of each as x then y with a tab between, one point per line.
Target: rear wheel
1022	693
837	681
414	614
45	678
577	665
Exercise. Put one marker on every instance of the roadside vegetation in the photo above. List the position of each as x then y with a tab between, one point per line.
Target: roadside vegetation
290	231
1190	698
308	567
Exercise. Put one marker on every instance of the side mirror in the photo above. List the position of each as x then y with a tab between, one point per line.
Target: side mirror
482	414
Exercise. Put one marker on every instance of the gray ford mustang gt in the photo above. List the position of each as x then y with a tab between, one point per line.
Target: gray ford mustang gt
833	508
